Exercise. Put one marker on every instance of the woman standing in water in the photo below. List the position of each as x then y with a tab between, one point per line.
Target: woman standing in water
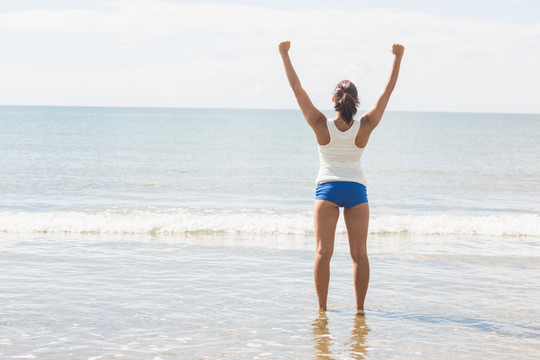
341	182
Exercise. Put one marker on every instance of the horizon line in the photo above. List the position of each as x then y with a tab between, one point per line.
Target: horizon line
261	109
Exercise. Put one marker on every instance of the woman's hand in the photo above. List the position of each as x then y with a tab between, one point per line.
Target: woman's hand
284	47
398	49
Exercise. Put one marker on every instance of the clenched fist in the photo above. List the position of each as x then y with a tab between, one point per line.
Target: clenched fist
398	49
284	47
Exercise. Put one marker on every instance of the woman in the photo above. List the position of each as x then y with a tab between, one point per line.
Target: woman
341	182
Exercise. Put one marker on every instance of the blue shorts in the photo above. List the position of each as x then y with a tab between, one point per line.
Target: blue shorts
345	194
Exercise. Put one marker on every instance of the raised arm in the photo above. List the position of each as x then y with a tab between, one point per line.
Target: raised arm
374	115
312	115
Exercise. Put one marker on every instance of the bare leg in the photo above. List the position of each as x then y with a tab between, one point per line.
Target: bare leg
357	221
326	215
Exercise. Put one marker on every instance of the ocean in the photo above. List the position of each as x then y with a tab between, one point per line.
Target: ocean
154	233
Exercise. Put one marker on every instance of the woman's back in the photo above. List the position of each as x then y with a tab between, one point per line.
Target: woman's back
340	159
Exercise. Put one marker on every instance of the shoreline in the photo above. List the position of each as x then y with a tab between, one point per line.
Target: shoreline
99	297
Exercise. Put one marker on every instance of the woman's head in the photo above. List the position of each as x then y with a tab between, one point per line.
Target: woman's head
346	100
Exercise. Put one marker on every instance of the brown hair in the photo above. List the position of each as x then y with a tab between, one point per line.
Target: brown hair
346	100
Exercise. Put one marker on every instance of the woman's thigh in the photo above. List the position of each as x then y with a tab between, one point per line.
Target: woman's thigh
326	215
357	222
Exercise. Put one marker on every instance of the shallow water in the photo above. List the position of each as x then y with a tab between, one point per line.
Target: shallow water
207	298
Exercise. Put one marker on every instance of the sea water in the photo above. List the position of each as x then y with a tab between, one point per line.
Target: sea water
188	233
127	170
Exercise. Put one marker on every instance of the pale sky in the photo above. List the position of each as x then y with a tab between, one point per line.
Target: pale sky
464	55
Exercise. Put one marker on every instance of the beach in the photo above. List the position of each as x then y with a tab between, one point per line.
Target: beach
133	233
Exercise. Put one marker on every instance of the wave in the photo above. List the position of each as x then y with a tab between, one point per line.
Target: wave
185	221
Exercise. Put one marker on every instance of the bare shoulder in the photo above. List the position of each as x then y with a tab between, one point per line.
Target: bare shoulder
366	122
366	127
321	130
369	121
320	122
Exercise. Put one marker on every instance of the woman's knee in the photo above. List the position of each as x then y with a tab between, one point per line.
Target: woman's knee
359	255
324	252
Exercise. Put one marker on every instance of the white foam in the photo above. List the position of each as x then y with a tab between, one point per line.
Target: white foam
176	221
499	225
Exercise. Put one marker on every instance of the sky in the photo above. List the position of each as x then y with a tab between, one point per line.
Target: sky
462	55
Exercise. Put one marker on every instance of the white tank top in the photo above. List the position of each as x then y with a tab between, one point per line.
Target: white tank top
340	159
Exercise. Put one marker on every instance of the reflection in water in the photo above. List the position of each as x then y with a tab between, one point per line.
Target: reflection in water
323	340
359	347
321	337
